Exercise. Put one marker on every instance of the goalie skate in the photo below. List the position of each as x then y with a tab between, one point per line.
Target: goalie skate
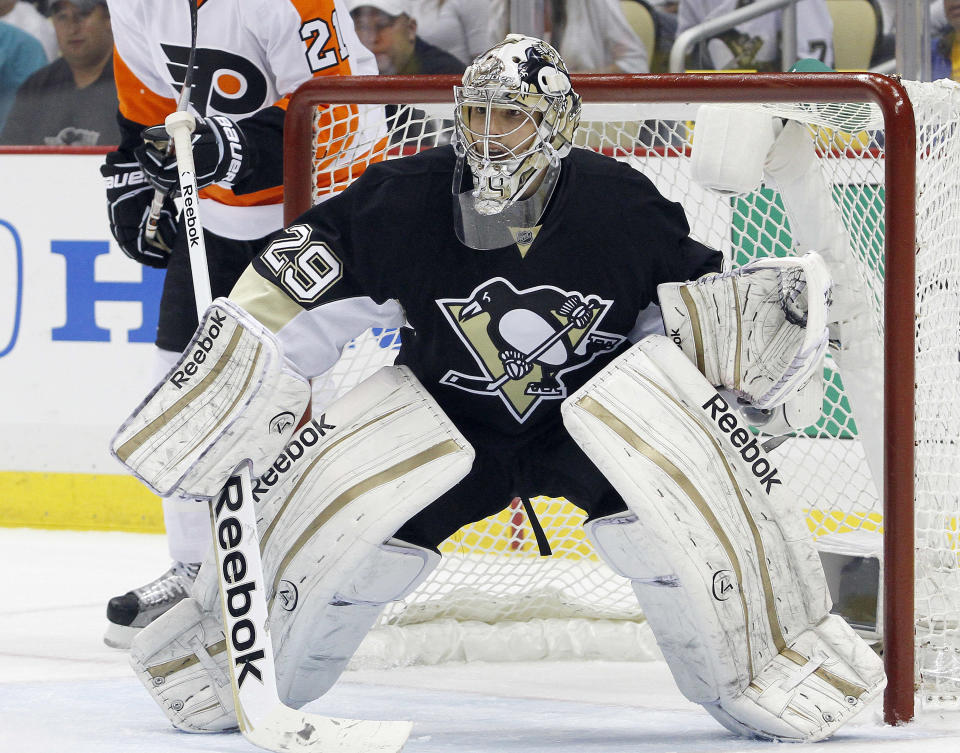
130	613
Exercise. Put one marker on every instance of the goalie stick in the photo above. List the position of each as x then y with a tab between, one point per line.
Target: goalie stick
263	718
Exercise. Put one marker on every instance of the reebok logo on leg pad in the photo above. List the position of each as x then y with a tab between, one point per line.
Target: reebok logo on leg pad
746	444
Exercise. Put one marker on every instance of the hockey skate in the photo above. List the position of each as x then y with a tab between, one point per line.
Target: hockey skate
130	613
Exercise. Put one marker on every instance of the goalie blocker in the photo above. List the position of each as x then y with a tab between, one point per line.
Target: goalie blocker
231	397
717	551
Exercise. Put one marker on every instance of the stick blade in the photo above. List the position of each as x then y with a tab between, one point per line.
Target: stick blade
288	730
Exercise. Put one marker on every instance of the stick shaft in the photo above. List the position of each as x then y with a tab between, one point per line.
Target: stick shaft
535	353
263	718
156	206
180	126
153	219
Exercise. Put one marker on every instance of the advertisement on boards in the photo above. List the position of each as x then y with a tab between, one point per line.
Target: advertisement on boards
77	324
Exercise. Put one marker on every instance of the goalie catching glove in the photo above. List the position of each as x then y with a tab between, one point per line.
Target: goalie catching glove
129	195
220	154
760	330
232	396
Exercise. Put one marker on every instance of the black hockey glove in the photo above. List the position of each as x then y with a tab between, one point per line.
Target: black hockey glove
220	154
129	195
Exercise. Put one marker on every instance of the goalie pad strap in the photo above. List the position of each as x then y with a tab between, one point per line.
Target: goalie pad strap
230	397
327	509
717	550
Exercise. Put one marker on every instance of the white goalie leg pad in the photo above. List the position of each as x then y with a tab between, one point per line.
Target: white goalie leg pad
721	560
327	510
322	639
181	658
230	397
760	330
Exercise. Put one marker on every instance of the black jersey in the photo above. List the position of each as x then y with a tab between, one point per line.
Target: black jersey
498	337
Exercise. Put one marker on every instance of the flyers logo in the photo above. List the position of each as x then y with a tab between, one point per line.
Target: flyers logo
222	82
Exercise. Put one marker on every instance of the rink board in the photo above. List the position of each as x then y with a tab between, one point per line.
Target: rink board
77	324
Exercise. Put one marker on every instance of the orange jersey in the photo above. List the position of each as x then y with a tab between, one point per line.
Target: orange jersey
251	55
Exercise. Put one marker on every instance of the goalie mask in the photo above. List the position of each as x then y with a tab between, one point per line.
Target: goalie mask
515	117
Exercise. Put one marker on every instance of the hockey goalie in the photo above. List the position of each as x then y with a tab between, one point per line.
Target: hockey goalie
530	302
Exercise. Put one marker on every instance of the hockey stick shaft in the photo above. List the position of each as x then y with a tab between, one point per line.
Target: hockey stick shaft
183	101
263	718
180	126
233	521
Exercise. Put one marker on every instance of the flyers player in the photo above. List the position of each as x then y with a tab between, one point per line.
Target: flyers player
250	57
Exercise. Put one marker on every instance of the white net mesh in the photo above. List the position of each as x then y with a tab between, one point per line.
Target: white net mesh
492	571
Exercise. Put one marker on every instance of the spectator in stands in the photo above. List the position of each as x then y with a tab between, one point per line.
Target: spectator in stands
389	30
74	99
25	16
592	36
946	44
754	44
665	15
454	26
20	55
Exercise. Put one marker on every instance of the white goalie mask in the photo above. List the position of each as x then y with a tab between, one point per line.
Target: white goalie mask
515	117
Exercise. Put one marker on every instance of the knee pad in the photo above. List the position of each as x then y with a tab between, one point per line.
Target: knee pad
326	634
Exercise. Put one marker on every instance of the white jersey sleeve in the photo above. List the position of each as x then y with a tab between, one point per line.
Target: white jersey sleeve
312	339
251	55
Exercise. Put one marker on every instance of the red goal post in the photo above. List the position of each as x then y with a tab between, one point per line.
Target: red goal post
899	244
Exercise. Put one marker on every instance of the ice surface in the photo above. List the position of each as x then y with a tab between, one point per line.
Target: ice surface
61	689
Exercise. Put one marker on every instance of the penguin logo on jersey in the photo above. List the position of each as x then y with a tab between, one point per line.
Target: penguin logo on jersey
222	81
525	340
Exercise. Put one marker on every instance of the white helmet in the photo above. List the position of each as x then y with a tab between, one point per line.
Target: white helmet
528	78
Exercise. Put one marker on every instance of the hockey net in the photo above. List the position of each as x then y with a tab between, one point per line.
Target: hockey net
493	581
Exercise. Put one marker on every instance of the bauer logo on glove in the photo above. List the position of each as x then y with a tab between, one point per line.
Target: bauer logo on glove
129	194
220	154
